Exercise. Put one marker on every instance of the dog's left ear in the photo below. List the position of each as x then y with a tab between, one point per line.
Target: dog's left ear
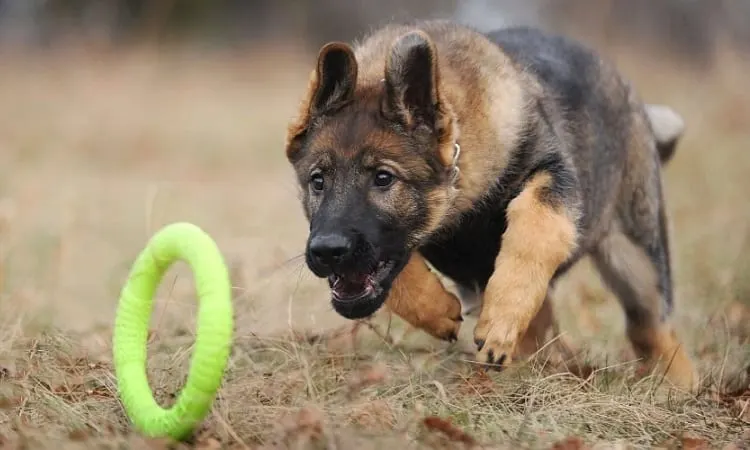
411	81
412	93
332	84
335	77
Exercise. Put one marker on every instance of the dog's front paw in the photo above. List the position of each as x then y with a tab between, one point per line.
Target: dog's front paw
496	342
444	328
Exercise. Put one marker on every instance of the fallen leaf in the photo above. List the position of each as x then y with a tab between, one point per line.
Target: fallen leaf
444	426
78	435
478	383
11	402
690	442
570	443
310	418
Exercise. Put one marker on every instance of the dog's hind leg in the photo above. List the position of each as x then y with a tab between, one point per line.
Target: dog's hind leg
636	268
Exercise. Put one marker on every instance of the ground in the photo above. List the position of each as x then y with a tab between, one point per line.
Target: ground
99	150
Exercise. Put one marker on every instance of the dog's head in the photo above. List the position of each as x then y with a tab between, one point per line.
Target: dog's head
375	166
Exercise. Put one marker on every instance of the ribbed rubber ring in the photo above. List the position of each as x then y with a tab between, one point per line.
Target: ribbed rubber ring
189	243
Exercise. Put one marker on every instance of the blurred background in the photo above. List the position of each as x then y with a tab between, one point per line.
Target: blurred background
119	116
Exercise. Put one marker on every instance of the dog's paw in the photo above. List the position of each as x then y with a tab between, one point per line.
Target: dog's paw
444	328
438	313
496	343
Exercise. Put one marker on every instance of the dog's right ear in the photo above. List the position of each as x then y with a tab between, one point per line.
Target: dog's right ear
331	85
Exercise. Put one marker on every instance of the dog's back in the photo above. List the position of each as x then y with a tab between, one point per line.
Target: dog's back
594	113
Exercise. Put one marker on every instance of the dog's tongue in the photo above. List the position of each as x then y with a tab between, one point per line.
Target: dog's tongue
352	285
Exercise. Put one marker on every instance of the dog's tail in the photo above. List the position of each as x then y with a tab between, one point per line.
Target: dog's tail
668	127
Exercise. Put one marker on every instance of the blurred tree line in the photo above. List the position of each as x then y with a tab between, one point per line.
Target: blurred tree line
688	26
222	21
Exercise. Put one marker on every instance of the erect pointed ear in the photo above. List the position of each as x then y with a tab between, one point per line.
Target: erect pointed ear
411	81
336	76
332	83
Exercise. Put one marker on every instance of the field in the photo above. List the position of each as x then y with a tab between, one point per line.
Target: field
98	150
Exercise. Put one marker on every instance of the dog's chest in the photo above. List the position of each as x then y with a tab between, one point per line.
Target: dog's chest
467	253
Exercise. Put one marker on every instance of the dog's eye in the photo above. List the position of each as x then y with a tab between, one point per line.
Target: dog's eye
383	178
317	182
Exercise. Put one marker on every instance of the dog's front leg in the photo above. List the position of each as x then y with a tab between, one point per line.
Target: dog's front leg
418	297
540	235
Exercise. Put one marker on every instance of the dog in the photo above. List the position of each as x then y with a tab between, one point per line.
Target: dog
500	159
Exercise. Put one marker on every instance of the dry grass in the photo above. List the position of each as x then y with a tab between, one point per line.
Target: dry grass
97	151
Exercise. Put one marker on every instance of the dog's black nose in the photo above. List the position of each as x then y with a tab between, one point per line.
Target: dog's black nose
330	250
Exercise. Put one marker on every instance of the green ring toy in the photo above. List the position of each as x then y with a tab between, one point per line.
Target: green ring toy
189	243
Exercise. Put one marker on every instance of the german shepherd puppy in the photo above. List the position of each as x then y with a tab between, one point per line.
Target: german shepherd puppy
501	159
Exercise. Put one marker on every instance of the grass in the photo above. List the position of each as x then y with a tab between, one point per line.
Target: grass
99	150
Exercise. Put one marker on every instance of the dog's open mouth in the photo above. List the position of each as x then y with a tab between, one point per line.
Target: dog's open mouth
357	285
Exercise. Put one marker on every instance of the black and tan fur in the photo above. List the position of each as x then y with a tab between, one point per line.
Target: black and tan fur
500	158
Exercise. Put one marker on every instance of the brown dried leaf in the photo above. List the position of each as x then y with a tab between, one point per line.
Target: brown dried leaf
690	442
478	383
570	443
444	426
310	418
10	402
78	435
